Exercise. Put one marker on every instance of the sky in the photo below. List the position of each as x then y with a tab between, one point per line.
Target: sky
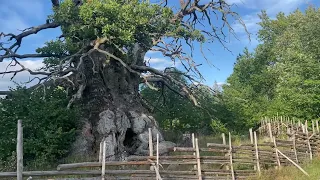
16	15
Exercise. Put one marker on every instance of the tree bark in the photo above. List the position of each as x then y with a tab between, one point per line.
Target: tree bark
112	110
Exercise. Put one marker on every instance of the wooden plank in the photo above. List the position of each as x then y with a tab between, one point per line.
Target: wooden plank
231	161
99	164
92	172
198	159
217	145
257	152
19	151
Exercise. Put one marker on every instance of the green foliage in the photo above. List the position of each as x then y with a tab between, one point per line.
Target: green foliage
49	127
123	23
282	75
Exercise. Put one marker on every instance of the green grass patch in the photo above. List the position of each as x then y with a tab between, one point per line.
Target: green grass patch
293	173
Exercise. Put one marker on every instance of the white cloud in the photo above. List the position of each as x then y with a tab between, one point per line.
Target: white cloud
5	80
235	1
251	20
161	63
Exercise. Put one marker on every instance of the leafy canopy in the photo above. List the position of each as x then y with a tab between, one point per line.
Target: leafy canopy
282	75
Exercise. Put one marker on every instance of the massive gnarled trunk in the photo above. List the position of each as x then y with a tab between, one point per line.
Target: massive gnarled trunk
113	111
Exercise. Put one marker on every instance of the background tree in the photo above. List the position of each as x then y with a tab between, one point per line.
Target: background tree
177	115
282	75
100	58
49	128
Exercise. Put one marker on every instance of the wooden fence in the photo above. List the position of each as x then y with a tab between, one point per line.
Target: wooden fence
281	142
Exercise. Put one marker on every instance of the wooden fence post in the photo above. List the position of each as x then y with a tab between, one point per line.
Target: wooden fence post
313	128
150	147
277	155
303	128
270	131
231	160
198	160
251	135
158	157
308	141
19	150
223	139
194	147
101	151
150	143
257	152
294	148
103	171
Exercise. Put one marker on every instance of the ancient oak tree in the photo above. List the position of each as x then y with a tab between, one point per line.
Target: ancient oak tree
100	59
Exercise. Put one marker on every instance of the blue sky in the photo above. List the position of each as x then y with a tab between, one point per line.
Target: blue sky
16	15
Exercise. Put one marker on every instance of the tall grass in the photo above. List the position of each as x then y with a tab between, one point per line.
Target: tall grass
293	173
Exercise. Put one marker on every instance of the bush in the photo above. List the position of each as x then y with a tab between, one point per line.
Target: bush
49	127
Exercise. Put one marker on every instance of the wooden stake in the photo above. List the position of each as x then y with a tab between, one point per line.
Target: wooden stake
100	152
157	156
19	150
223	139
231	160
198	160
150	143
281	125
251	135
257	152
103	171
306	126
277	156
294	148
194	146
270	131
304	172
313	128
309	146
150	147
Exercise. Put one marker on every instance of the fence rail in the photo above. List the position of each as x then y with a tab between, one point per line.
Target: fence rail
288	142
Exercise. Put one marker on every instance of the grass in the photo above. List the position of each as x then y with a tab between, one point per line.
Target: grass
293	173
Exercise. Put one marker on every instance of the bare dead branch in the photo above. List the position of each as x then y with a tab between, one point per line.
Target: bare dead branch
184	88
23	56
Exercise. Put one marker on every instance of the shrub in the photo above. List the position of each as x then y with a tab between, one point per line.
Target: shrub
49	127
